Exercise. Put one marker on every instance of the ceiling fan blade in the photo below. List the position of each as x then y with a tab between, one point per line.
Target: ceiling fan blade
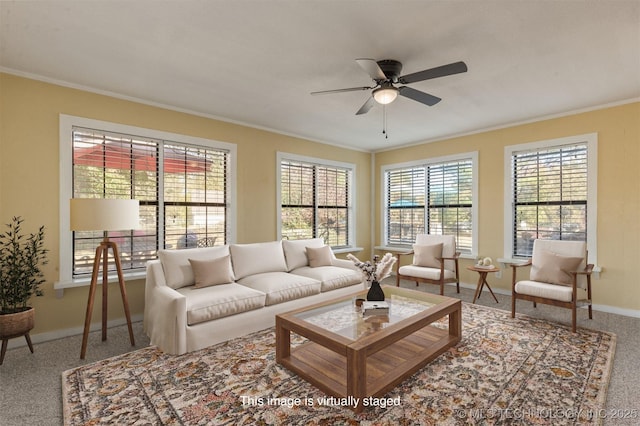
349	89
367	106
418	96
372	68
441	71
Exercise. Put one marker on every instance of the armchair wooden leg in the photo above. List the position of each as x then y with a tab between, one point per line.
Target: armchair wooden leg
573	318
513	306
441	288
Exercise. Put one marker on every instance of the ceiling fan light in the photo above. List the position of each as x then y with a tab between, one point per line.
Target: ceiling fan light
385	95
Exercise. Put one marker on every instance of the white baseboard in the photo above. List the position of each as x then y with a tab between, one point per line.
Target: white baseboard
67	332
615	310
634	313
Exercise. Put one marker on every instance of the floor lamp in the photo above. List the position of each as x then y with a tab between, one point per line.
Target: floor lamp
100	214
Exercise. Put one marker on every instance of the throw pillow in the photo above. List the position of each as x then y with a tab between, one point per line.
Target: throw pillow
319	256
295	251
177	269
427	256
552	268
212	272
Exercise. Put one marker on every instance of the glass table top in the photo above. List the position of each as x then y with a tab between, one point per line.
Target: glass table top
347	320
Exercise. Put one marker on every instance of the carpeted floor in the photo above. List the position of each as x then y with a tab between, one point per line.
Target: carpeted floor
527	371
30	384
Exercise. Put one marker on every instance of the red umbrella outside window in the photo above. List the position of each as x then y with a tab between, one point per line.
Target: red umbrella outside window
113	155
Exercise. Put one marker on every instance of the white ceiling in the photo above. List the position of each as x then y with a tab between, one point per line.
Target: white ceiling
255	62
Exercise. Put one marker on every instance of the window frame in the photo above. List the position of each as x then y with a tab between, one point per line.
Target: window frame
67	123
591	141
351	196
433	161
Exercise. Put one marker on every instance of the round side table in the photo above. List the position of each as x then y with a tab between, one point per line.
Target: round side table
482	280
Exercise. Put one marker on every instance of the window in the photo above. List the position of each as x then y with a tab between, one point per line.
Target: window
551	191
433	196
184	186
315	200
405	218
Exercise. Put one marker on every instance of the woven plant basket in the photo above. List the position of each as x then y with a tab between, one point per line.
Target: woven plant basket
16	324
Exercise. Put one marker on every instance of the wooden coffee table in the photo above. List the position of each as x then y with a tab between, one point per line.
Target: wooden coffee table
354	357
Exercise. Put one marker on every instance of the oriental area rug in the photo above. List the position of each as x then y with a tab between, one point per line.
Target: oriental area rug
504	371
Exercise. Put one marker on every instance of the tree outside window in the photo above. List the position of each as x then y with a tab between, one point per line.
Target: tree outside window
550	196
315	202
431	197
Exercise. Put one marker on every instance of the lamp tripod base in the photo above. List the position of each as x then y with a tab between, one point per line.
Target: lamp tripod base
102	253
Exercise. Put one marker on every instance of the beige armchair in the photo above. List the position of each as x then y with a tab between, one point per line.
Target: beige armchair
435	261
559	272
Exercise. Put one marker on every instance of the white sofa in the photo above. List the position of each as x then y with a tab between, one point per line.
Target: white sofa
185	311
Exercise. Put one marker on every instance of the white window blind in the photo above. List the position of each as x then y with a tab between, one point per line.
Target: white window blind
450	189
435	198
181	190
406	189
549	195
315	202
195	196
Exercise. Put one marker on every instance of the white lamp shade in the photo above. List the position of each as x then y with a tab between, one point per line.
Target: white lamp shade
102	214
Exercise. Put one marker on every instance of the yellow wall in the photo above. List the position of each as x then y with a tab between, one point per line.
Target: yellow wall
618	239
29	177
29	182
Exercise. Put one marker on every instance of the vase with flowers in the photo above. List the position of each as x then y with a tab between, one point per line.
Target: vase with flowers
374	272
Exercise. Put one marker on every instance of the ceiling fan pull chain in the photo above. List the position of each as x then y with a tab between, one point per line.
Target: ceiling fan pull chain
384	122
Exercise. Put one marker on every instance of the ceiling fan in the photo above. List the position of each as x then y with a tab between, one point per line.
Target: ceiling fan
386	73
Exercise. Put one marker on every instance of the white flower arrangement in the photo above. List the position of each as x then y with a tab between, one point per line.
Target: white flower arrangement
376	271
486	262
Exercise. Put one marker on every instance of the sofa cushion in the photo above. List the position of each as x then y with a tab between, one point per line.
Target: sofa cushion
205	304
281	286
177	268
257	258
427	255
295	251
549	291
331	277
320	256
427	273
212	272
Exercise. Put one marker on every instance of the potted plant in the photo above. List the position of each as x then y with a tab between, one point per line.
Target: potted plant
21	259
